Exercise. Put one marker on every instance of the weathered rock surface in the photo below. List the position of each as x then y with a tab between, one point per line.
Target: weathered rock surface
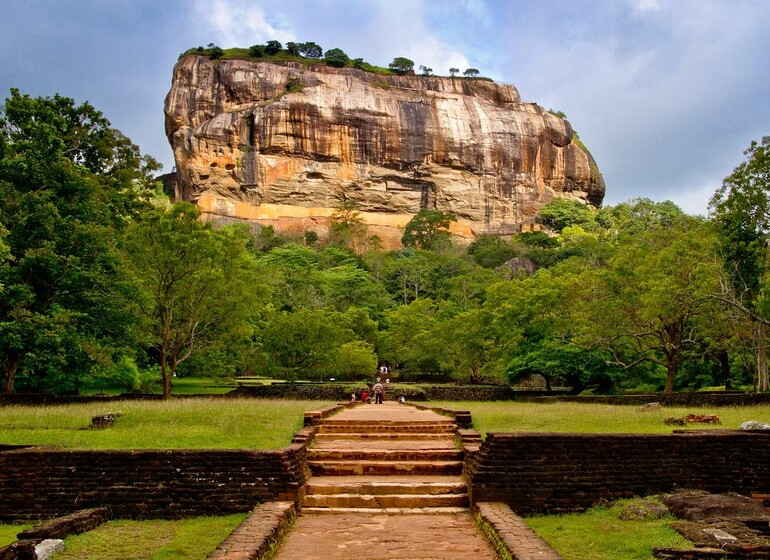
285	144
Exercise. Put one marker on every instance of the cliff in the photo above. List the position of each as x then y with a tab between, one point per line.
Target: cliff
286	144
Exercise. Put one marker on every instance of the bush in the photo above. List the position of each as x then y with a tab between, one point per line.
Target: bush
257	51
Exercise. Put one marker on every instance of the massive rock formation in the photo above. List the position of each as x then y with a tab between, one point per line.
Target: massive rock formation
286	144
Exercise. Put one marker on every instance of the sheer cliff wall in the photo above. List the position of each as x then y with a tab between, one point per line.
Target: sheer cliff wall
286	144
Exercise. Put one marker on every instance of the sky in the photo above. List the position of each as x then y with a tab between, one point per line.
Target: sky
666	94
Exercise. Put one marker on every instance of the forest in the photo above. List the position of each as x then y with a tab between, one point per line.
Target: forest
104	281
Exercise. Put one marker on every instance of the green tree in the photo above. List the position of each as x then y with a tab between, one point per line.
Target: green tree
336	57
408	275
561	213
401	65
490	251
68	183
426	71
257	51
429	229
355	360
197	283
407	339
453	72
470	72
467	345
273	47
305	343
310	49
741	213
347	228
292	48
532	315
646	306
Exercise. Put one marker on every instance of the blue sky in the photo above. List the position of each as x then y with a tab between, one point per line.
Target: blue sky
665	93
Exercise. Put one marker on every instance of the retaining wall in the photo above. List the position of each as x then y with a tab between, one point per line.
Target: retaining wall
43	482
717	398
546	472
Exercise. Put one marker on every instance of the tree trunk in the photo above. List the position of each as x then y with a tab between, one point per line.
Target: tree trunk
724	366
165	374
671	372
761	357
9	372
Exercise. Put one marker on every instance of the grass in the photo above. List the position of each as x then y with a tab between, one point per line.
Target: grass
194	423
595	418
598	534
8	533
181	386
186	539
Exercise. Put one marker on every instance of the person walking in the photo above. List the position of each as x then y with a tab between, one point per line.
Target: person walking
378	392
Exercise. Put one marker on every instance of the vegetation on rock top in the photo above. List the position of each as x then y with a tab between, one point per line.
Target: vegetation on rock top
312	53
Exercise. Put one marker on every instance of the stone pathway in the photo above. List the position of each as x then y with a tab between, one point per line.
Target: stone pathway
386	484
349	536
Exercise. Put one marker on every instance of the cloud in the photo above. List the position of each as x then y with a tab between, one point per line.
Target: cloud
239	23
646	5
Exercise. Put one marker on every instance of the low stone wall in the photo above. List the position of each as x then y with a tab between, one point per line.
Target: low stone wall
392	392
546	472
717	398
43	482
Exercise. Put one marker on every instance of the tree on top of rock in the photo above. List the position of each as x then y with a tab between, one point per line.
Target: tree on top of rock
273	47
401	65
310	49
336	58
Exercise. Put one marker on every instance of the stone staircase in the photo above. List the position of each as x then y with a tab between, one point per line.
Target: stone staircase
386	458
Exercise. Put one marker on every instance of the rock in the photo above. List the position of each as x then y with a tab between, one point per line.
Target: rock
45	549
697	506
641	510
650	407
754	425
285	144
517	267
720	535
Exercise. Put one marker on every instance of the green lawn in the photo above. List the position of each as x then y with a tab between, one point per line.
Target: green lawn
598	534
186	539
8	533
194	423
594	418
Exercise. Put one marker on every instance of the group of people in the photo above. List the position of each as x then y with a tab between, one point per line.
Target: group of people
378	392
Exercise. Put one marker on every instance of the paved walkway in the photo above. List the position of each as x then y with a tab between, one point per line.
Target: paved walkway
391	488
396	450
354	536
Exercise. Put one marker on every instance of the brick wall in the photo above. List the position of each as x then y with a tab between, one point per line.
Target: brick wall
716	398
41	482
536	473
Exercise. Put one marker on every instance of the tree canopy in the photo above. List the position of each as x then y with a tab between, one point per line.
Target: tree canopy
101	279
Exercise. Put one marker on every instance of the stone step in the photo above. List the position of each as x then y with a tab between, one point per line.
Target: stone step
402	444
318	454
374	467
330	427
385	500
385	485
385	436
387	511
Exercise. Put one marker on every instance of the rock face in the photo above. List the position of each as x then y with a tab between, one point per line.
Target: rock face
287	144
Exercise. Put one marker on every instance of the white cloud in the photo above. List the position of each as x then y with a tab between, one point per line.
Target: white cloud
647	5
239	23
